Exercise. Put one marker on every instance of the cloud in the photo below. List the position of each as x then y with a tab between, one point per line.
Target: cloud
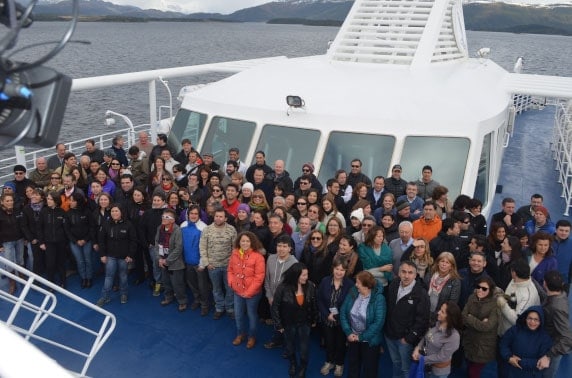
192	6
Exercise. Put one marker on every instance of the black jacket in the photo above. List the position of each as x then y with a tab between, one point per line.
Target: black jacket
286	311
31	223
149	222
408	318
79	225
117	239
52	225
11	225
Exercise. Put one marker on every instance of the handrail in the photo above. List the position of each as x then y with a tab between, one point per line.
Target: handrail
562	147
38	297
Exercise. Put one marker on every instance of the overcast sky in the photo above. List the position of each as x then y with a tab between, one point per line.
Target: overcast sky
191	6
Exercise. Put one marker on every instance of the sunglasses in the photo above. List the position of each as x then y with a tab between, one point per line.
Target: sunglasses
483	288
315	238
301	203
355	166
305	170
19	173
217	190
257	196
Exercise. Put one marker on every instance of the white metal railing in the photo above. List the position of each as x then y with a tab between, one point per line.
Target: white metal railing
33	314
562	150
103	141
523	102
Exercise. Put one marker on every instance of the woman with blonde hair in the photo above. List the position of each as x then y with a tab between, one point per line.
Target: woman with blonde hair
443	284
258	201
420	254
330	210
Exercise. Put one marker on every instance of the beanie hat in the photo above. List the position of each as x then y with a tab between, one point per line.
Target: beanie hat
358	214
10	185
402	205
248	186
310	166
244	207
19	168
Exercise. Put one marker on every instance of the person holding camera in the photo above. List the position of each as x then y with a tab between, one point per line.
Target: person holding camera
441	341
331	295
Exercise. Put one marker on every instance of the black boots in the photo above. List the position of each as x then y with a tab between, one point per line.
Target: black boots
302	371
292	368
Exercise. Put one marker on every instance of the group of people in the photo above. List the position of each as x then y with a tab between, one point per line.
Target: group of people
373	265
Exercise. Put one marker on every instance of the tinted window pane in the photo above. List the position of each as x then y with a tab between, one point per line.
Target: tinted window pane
225	133
374	151
447	157
294	146
482	185
187	124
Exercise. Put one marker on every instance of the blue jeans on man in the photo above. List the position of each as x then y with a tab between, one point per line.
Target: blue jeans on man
250	307
400	354
222	294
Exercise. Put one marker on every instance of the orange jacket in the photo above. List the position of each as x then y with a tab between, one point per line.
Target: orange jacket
246	272
425	229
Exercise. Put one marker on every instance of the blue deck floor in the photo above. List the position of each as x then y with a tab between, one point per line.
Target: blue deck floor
154	341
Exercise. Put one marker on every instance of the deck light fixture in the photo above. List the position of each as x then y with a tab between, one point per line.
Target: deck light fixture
295	101
110	121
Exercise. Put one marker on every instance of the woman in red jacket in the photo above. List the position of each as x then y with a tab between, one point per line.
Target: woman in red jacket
246	269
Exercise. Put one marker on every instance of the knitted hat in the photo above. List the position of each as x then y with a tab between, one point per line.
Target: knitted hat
248	186
310	166
10	185
19	168
244	207
358	214
402	205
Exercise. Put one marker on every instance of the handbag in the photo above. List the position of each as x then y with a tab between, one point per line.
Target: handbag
417	368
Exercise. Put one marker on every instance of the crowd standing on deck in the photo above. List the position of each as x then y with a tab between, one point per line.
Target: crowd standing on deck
371	265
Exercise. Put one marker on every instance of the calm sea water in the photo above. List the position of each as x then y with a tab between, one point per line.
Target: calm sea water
126	47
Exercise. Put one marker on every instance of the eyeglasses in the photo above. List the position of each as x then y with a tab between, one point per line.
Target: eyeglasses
483	288
167	217
305	170
301	203
367	225
19	173
315	238
355	166
115	164
536	320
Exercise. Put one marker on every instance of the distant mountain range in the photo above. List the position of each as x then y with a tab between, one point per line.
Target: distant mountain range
478	16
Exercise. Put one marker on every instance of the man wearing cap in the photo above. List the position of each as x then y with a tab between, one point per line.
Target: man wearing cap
57	160
280	176
21	182
426	185
540	222
395	184
41	174
234	155
210	163
403	211
356	175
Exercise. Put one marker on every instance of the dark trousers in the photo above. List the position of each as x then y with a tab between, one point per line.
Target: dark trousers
142	257
200	284
301	334
56	261
39	264
335	340
174	281
363	360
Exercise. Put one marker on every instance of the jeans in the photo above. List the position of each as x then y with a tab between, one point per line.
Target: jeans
400	355
200	284
363	360
115	264
155	269
302	333
223	295
14	251
83	257
174	282
250	306
552	369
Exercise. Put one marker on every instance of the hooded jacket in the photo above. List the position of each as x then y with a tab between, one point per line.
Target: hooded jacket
375	315
525	343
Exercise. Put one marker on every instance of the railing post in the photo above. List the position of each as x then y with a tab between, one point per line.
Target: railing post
20	155
153	109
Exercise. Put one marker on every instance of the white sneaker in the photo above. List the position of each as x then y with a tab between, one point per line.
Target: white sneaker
339	371
325	370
